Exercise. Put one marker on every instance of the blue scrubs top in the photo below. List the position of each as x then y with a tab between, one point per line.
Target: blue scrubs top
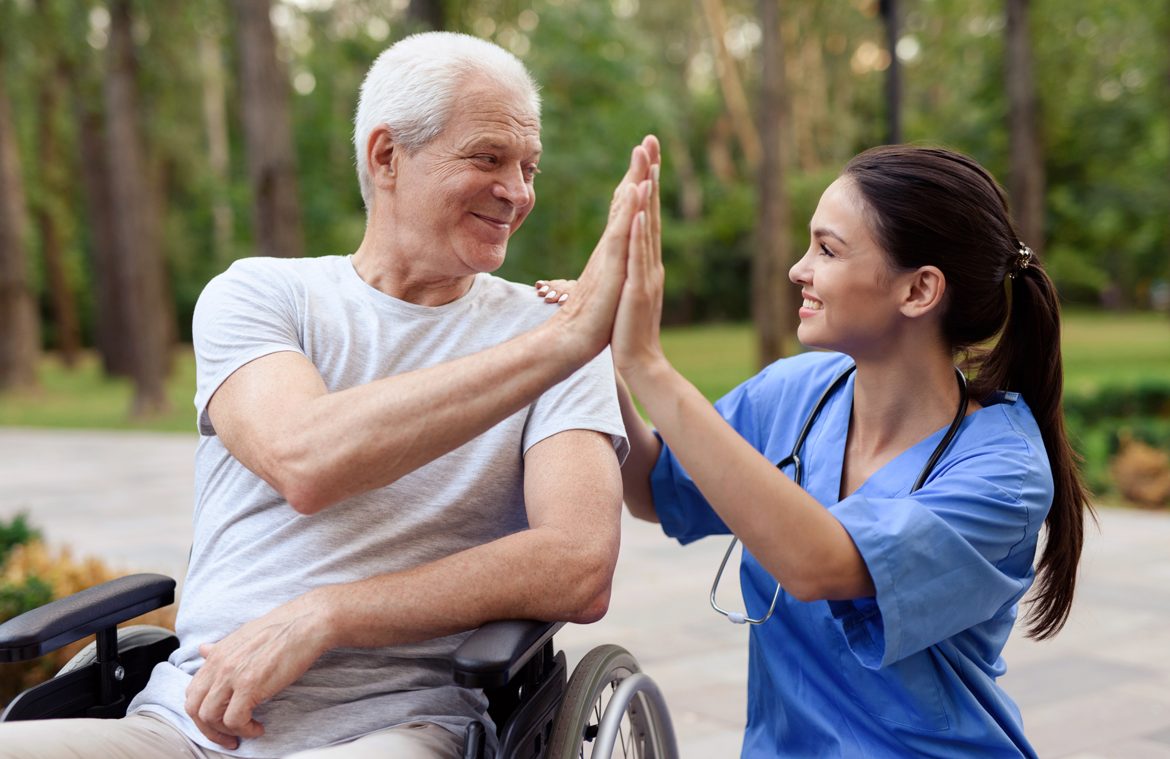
910	671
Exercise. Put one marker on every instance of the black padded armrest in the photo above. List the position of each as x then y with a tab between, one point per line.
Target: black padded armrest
495	652
66	620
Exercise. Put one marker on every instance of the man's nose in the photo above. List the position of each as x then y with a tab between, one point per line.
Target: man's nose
513	188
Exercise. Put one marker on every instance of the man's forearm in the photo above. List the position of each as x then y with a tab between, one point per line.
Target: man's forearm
533	574
330	446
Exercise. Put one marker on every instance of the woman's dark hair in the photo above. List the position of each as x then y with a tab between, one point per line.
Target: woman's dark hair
932	206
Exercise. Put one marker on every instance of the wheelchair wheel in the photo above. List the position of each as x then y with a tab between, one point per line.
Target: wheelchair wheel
644	730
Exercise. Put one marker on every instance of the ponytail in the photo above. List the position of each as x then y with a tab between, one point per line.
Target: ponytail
1027	359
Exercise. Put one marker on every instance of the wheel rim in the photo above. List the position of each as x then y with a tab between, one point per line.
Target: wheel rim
590	692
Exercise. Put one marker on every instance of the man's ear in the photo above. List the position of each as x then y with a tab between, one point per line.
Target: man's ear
924	292
382	155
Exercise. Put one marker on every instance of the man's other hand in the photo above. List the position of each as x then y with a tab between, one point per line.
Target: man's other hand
252	665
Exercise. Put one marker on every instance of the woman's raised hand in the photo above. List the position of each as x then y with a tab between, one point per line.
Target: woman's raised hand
636	343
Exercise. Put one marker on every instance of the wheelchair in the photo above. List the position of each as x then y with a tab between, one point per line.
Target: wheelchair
608	704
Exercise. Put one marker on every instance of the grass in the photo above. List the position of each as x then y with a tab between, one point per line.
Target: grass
1099	348
82	398
1114	349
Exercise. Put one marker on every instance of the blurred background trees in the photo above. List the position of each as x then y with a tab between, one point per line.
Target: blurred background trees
145	145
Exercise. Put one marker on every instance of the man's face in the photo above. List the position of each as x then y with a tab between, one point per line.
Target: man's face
459	198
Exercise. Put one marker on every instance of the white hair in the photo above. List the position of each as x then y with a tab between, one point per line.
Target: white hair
412	86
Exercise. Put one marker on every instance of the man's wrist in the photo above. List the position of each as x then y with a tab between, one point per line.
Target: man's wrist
324	617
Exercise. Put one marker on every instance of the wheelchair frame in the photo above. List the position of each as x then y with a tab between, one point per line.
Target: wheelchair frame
539	713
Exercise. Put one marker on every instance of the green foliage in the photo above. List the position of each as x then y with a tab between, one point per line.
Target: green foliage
611	71
16	531
17	598
1097	421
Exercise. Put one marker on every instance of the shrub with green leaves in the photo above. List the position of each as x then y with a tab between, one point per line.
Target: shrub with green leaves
1097	421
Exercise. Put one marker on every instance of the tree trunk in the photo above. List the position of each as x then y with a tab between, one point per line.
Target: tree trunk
109	314
49	213
773	300
138	259
731	85
893	74
218	150
427	13
267	133
1027	165
19	327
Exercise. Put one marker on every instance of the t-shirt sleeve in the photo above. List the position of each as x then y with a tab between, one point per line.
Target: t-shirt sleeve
241	315
951	556
682	510
586	400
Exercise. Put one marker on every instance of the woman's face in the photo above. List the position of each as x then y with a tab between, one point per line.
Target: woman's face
850	293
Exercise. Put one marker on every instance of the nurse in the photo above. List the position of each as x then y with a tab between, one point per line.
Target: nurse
896	597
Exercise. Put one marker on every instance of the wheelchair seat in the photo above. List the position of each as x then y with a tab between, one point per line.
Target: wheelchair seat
538	712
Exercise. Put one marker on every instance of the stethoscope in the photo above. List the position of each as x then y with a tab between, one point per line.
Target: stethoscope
793	458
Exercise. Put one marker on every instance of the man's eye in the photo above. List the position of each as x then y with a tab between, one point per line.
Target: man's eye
487	158
531	172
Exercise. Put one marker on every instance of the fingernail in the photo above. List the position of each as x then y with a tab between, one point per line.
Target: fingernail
543	289
654	173
564	297
552	294
642	217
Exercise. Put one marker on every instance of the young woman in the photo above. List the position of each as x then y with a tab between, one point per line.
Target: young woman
889	504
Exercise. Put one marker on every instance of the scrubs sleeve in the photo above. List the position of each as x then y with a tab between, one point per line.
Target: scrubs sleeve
683	511
953	555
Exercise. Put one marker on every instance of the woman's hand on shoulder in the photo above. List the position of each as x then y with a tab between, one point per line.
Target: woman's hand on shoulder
555	290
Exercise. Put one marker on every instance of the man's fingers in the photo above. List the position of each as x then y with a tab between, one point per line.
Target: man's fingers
638	171
632	200
206	717
237	718
223	739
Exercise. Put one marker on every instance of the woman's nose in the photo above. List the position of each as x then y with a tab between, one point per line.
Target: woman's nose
799	273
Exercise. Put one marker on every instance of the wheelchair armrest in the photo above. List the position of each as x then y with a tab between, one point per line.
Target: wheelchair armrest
69	619
497	651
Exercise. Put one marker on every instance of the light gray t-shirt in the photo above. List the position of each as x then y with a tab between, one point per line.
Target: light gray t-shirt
253	552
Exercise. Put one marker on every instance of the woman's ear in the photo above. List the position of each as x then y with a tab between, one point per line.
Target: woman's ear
382	156
925	292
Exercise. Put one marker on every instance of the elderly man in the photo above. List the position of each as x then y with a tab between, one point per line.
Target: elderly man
396	446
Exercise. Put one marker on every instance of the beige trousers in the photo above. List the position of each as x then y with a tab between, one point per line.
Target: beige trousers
145	736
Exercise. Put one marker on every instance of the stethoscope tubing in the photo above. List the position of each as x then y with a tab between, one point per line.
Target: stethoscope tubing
793	458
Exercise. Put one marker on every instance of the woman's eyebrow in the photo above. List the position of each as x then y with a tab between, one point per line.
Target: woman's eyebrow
826	232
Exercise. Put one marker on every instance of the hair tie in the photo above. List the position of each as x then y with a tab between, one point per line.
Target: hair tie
1023	260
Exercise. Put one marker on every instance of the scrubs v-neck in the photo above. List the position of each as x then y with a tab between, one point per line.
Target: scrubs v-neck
910	671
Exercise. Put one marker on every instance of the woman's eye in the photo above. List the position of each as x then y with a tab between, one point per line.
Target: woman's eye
825	250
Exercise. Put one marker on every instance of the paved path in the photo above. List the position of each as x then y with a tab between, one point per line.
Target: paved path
1100	689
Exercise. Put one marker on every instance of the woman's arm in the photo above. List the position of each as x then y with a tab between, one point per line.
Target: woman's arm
791	534
644	450
644	444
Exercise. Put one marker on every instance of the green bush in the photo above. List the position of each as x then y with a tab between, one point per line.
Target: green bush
1098	420
17	598
13	533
